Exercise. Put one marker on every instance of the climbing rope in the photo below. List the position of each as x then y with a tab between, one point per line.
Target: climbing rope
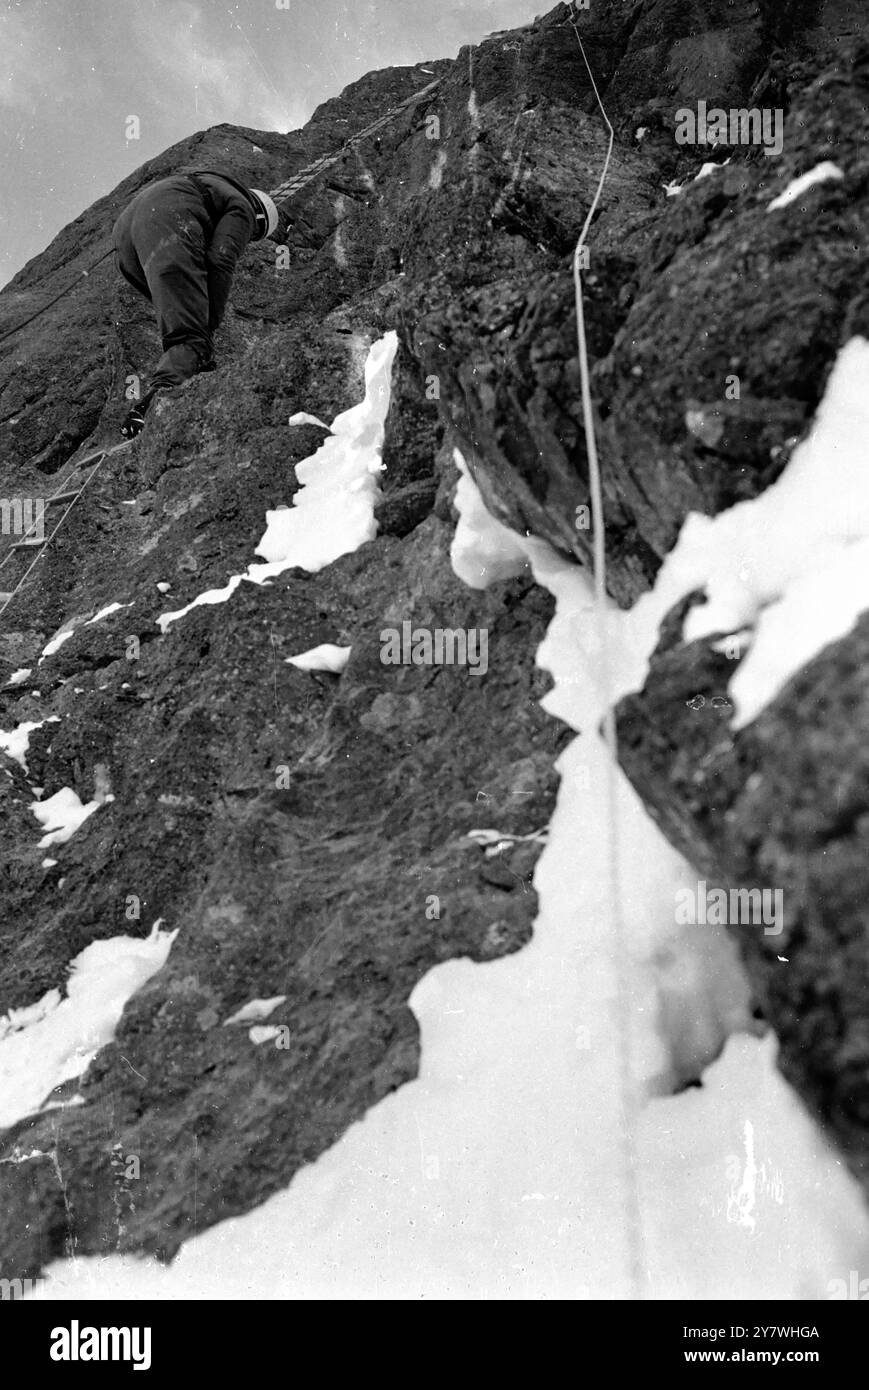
83	274
620	955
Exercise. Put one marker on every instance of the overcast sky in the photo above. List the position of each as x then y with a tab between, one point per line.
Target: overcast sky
72	71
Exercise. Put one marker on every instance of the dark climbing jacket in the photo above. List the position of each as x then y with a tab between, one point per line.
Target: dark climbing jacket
178	243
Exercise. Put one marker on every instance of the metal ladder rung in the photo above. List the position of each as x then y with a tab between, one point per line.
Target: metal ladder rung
61	497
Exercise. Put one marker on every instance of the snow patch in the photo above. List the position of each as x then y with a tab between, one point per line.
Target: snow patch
258	1036
792	565
17	1019
255	1010
483	551
492	842
333	511
211	596
16	743
62	814
104	612
54	1039
303	418
327	657
822	173
55	644
710	168
674	188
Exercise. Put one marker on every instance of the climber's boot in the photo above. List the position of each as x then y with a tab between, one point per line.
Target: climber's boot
134	421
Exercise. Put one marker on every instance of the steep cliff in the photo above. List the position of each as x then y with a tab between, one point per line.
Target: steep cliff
295	827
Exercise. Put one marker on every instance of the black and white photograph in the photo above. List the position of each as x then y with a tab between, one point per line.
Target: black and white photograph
434	666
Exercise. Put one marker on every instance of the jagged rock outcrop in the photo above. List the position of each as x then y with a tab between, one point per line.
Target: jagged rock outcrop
458	232
784	801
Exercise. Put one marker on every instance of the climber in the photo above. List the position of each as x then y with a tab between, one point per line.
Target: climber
177	243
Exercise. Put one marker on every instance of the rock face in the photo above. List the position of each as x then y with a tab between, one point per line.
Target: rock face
456	226
784	801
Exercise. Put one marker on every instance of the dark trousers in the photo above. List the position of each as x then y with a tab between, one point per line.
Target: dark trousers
160	239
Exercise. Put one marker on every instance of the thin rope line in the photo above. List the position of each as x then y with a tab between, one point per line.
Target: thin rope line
82	275
629	1108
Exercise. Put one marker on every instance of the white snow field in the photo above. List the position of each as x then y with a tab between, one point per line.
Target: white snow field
501	1171
56	1039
